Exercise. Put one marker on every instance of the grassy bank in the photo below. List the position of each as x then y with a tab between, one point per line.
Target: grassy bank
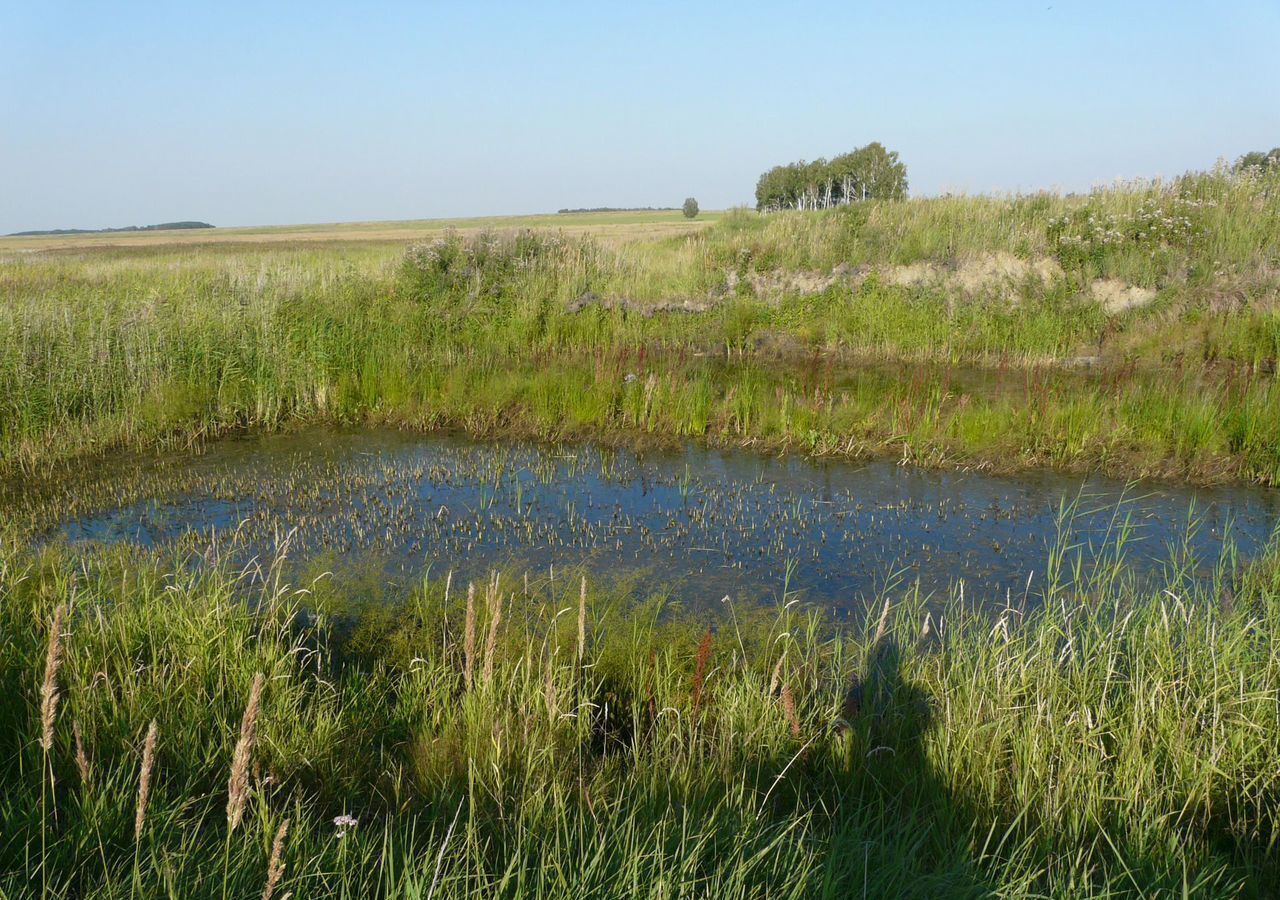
1133	330
1108	741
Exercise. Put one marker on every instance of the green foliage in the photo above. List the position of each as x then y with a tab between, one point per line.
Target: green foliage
868	173
690	208
1259	160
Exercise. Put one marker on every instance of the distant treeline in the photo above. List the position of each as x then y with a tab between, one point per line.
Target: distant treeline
164	226
595	209
868	173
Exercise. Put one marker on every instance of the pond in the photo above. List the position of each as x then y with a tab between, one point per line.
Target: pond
698	523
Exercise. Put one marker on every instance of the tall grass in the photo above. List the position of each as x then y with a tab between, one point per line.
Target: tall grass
539	331
1103	739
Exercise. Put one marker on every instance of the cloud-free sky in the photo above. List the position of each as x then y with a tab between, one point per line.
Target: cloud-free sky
270	112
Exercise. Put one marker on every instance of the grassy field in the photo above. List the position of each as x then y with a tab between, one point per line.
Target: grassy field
1133	330
613	226
178	728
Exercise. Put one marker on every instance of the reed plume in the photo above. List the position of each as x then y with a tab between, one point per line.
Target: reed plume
776	678
275	866
882	626
238	784
82	758
700	670
144	779
469	636
495	619
582	620
49	694
789	709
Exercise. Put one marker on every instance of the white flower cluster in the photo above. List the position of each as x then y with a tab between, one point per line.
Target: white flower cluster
1163	221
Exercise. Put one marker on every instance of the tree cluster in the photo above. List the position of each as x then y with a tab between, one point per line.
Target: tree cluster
1259	159
868	173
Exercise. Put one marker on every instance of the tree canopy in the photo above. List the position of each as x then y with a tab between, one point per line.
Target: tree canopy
867	173
1259	159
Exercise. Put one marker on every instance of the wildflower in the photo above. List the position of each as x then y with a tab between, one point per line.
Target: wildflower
342	823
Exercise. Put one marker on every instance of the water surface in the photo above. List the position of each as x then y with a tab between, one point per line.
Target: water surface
699	523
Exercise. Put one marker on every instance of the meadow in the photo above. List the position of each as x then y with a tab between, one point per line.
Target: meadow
1131	331
179	725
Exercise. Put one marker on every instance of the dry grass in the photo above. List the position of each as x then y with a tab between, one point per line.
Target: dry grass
615	228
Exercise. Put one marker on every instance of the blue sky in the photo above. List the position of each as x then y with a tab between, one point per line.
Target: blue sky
266	112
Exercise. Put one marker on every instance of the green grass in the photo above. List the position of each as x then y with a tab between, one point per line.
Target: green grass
1110	738
1105	740
829	332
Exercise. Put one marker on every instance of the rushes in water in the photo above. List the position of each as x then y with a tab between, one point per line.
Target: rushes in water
275	866
82	758
49	694
469	636
238	785
700	670
495	619
144	779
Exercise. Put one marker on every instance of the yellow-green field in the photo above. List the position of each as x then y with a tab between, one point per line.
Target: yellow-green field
608	226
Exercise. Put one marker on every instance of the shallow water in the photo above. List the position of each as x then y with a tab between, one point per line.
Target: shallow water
700	523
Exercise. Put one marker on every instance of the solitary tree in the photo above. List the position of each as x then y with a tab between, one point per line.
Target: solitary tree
690	208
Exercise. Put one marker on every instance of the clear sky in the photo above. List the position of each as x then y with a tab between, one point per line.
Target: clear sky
269	112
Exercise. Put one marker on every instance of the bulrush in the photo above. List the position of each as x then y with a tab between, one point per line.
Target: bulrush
275	866
238	784
144	779
469	636
49	694
700	670
495	619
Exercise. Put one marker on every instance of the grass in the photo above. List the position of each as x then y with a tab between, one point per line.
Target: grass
895	327
190	730
1101	740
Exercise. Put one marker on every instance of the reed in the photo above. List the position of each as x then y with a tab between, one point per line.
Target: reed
238	783
83	765
700	671
144	780
469	636
979	761
275	865
494	597
49	693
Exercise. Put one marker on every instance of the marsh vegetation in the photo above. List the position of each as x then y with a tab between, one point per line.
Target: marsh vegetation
961	682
